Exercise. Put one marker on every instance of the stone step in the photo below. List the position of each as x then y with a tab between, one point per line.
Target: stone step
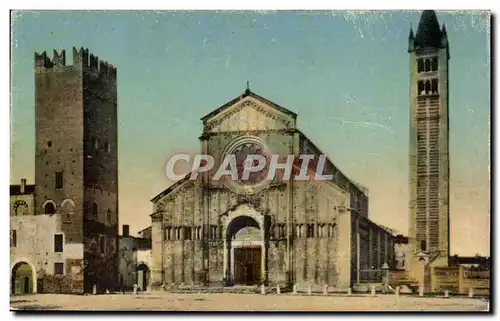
243	290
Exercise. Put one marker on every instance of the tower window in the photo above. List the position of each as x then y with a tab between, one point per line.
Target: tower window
421	89
108	147
50	208
434	86
58	243
420	65
95	210
427	87
427	65
59	180
434	64
423	245
49	143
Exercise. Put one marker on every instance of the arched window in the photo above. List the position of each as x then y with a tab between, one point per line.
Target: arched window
95	210
434	86
427	87
50	208
421	89
420	65
310	230
434	64
427	65
187	232
20	208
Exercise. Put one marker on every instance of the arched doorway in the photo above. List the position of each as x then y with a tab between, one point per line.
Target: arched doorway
142	277
23	279
244	246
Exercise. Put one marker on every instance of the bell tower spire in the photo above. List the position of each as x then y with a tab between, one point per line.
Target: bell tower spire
429	152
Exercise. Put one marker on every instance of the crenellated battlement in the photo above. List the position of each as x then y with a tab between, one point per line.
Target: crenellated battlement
82	58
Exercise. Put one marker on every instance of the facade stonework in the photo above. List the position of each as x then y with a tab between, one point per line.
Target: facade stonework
223	233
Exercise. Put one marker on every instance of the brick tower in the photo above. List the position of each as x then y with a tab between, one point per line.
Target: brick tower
76	161
429	154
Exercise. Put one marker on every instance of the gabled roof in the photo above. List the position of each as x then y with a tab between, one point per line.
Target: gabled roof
364	190
171	188
248	93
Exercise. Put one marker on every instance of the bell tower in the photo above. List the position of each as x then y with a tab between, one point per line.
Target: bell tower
429	146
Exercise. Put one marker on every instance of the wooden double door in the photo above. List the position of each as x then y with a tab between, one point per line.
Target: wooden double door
247	265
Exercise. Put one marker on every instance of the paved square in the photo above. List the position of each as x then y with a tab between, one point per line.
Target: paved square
242	302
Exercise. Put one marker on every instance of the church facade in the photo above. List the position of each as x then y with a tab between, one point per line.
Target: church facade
287	232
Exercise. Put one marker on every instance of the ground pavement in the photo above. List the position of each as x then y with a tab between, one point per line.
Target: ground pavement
243	302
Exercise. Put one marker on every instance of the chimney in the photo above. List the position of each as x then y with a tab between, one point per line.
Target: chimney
23	185
126	230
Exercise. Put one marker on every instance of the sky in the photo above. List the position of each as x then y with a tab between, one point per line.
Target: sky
346	75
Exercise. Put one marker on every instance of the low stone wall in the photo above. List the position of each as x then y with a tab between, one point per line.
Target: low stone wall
59	284
477	279
460	280
444	278
397	277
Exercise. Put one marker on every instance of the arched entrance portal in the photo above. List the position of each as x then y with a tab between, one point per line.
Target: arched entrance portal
142	277
244	246
23	279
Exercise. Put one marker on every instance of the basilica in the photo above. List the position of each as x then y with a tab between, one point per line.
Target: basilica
303	233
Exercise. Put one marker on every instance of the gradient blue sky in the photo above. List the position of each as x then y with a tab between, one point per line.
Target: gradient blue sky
344	73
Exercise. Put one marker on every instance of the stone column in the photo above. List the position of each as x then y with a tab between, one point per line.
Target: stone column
379	259
358	250
263	267
295	149
205	177
226	258
157	250
370	247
